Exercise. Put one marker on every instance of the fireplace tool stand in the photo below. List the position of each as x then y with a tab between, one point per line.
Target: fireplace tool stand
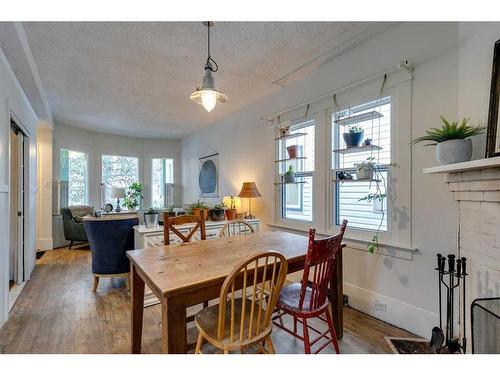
450	280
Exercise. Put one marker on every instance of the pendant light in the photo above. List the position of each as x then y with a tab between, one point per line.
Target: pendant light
207	95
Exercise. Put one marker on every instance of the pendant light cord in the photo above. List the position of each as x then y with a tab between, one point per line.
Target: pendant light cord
208	64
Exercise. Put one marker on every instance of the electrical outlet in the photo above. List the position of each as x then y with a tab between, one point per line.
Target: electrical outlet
380	306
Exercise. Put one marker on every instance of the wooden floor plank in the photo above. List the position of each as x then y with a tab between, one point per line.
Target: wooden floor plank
58	313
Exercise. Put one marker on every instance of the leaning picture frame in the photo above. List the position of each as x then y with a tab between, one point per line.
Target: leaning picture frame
493	132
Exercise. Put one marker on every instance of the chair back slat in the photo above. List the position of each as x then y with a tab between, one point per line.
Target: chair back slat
235	228
169	222
319	264
251	276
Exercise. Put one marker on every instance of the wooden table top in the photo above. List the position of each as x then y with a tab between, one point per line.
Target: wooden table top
175	269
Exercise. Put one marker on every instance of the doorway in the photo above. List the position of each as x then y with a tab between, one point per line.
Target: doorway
17	207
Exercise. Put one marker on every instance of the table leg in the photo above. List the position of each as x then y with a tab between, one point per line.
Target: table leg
337	296
137	310
173	326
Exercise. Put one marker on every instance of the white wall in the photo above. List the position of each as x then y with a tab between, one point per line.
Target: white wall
13	100
44	217
407	286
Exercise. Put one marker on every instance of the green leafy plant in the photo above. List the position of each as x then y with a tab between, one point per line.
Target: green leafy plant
152	211
290	170
134	195
354	129
220	206
232	203
448	131
198	204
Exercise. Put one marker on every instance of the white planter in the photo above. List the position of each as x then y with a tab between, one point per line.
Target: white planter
364	172
454	151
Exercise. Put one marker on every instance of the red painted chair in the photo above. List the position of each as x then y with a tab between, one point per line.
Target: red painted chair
308	299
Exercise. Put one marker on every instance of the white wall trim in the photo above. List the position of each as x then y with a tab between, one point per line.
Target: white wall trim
45	243
400	314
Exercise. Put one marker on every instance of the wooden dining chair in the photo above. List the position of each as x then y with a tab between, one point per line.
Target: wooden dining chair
169	222
242	320
235	228
309	298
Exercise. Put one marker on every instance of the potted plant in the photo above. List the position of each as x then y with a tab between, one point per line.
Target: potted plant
292	151
231	210
364	170
451	140
134	196
218	212
198	208
289	176
151	217
354	136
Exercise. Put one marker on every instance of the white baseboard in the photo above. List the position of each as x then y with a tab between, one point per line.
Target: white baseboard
44	244
397	313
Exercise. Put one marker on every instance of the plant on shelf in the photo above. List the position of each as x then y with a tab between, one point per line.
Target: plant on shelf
378	196
218	212
197	208
134	196
451	140
365	169
289	176
231	210
151	217
354	136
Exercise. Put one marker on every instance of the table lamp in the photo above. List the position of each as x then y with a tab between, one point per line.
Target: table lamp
118	193
249	190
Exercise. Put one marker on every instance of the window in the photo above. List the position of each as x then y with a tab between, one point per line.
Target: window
73	176
297	199
118	171
347	195
162	175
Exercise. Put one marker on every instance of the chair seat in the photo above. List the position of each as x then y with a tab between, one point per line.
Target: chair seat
207	321
290	298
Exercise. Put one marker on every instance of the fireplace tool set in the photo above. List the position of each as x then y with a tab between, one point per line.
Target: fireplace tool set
451	280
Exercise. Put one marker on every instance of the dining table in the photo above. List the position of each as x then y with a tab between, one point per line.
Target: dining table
191	273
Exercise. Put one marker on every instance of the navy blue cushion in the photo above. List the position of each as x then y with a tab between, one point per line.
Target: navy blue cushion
109	240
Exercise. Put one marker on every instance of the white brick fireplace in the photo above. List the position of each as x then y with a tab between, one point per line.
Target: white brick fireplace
476	187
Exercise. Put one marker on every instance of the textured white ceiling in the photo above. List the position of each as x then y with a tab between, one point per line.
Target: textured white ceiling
135	78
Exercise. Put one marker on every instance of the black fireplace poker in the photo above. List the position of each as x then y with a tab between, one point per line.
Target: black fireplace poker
456	272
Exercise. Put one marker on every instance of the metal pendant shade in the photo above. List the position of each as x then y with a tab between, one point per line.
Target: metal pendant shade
207	95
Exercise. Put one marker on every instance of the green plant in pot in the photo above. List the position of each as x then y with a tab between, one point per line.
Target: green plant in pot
354	136
451	140
198	208
218	213
134	196
151	217
365	169
231	210
289	175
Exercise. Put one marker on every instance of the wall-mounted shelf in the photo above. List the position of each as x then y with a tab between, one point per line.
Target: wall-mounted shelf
355	119
355	180
290	183
353	150
297	158
290	136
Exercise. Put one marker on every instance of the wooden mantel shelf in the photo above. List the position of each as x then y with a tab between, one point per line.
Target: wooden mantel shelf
465	166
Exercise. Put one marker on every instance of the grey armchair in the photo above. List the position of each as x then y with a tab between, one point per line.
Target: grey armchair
73	225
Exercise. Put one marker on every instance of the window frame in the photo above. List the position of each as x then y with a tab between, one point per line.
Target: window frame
87	172
163	159
334	160
139	160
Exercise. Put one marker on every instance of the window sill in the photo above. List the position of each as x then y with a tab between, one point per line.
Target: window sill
385	249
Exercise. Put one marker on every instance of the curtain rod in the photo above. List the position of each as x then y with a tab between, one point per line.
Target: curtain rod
402	65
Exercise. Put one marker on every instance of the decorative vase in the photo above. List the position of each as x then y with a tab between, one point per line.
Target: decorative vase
230	213
151	220
292	151
217	214
289	177
364	171
454	151
353	139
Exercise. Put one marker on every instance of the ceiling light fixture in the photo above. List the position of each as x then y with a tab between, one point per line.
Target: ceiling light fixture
207	95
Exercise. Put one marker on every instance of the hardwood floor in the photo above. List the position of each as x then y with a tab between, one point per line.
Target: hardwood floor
57	313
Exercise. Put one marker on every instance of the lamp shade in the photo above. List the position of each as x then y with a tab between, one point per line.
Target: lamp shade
117	193
249	190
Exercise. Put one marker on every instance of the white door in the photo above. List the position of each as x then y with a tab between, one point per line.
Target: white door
20	209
